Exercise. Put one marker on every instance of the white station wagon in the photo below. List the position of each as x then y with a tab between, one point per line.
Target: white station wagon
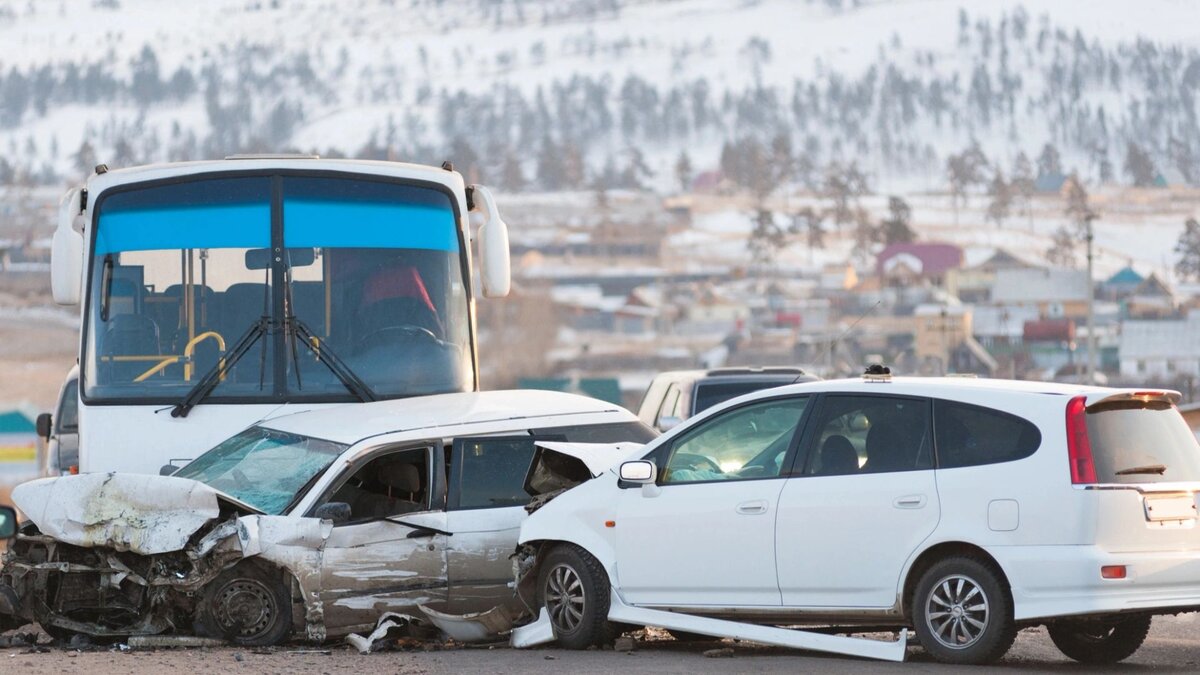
963	509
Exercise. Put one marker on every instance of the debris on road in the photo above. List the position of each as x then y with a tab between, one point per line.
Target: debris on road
390	627
170	641
721	653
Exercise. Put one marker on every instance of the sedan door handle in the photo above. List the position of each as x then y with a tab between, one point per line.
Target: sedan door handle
909	502
752	508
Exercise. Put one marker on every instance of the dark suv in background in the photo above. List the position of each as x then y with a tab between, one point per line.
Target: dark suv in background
676	395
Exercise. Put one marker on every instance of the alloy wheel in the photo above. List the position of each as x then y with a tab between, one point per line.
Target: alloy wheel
565	598
957	611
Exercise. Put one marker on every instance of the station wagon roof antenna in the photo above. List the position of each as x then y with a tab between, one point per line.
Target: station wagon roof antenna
877	372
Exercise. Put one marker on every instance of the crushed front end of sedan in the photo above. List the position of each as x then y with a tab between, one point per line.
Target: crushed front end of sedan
115	555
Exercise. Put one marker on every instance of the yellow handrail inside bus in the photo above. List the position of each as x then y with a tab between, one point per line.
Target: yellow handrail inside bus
186	358
191	347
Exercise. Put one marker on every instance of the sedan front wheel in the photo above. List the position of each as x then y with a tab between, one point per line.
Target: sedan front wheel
573	588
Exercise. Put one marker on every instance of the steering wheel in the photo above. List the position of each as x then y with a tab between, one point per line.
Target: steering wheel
401	333
694	462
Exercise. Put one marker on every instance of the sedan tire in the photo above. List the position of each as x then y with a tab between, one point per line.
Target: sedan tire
962	612
1099	642
574	589
248	605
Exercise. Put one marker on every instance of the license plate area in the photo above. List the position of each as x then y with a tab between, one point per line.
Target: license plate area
1174	507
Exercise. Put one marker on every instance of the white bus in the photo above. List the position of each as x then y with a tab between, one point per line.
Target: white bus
216	294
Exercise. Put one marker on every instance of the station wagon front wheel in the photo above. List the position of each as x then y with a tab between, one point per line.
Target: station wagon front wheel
962	612
574	590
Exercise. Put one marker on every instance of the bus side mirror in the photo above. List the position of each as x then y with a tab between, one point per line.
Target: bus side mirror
493	244
66	252
8	522
43	426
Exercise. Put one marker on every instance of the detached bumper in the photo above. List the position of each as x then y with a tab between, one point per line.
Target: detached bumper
1055	581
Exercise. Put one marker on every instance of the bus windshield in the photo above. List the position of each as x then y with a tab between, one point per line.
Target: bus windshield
183	272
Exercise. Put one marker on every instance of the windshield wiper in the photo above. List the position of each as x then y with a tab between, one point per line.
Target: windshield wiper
325	354
1158	469
215	374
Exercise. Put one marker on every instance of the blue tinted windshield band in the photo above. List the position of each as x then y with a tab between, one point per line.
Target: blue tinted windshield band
212	226
358	224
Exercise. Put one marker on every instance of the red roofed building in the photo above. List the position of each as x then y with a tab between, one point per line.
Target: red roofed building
903	264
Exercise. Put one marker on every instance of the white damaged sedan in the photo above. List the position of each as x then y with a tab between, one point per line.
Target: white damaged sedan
312	524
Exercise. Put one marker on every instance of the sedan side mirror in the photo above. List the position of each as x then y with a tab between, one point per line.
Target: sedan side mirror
640	472
8	522
43	426
338	512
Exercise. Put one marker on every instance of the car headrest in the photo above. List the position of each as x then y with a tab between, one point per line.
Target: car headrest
838	456
400	476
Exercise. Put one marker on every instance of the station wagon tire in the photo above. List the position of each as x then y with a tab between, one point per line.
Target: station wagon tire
962	612
248	605
574	589
1100	642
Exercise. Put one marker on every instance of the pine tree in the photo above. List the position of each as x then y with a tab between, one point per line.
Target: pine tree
683	171
1188	250
1000	205
1062	251
896	228
766	238
1049	162
1139	166
1022	183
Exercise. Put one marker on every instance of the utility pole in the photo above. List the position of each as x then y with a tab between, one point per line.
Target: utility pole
1088	218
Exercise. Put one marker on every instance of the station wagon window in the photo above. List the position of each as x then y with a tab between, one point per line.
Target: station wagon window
747	442
488	473
870	434
971	435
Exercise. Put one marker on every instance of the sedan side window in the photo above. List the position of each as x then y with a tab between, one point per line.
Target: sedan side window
747	442
389	485
870	434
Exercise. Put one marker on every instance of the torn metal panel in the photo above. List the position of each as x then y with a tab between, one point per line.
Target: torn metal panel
618	611
539	632
474	627
125	512
388	625
296	545
597	457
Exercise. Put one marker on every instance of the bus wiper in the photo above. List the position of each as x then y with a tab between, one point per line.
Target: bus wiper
218	372
325	354
1158	469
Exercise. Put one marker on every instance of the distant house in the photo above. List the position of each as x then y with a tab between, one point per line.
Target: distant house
1049	182
1056	292
1161	349
974	283
708	182
903	264
1121	285
1151	299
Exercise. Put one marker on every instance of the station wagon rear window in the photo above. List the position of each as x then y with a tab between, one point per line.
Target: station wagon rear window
1136	441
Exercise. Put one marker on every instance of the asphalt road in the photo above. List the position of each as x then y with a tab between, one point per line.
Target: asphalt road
1173	646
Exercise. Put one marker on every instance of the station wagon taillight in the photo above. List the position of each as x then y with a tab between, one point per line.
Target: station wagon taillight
1079	449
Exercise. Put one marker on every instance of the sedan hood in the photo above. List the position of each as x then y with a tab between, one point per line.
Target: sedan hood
128	512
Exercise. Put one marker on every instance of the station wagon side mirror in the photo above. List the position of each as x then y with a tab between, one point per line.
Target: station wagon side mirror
668	422
43	426
640	472
338	512
167	469
8	522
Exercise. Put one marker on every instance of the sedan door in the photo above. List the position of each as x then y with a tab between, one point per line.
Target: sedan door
864	500
704	535
391	554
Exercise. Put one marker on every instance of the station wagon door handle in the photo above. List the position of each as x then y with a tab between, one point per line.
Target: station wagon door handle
752	508
909	502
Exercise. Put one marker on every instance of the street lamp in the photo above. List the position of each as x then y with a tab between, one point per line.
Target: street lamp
1088	217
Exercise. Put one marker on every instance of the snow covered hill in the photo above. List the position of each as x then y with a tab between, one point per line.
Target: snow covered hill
497	85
